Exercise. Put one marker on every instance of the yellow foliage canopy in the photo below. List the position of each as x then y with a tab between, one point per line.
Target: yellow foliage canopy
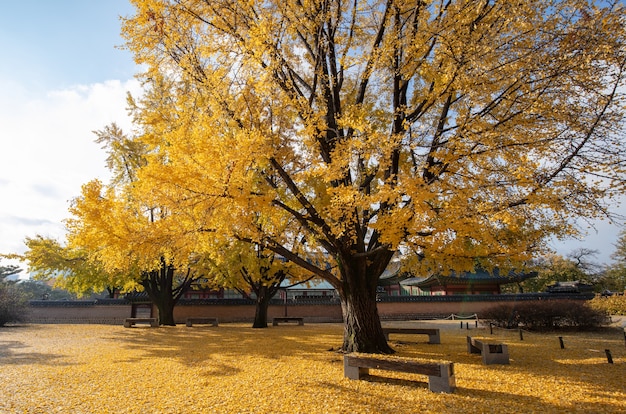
459	131
453	132
70	268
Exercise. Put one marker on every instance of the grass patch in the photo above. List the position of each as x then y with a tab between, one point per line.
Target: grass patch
290	369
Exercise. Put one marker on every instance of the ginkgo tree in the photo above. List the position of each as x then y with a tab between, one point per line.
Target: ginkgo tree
254	272
116	240
71	269
128	232
144	244
75	268
456	132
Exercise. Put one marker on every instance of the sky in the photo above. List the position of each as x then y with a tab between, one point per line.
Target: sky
63	76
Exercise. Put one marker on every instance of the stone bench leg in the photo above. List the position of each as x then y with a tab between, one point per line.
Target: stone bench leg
445	383
434	339
353	372
471	348
495	354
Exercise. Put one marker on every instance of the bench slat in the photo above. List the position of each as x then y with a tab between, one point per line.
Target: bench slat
202	320
412	367
128	322
426	331
433	333
278	319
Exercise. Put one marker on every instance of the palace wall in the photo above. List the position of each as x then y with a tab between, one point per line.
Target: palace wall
390	308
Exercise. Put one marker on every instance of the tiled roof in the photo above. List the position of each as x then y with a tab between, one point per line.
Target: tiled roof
477	277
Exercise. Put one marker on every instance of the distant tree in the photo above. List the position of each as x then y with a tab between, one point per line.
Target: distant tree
39	290
13	304
264	281
254	272
585	265
578	265
69	268
10	270
619	256
615	274
141	244
613	279
116	240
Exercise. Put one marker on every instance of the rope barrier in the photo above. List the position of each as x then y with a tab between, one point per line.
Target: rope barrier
455	317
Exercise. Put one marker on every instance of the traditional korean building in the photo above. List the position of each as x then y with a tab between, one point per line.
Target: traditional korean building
465	283
314	290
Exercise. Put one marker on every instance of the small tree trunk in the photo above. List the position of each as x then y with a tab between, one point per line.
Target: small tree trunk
262	304
166	312
161	295
159	285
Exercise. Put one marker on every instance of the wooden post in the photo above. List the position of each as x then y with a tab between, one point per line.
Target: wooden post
561	342
521	335
490	328
609	357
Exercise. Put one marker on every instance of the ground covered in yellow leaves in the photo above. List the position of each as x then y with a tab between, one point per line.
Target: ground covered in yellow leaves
291	369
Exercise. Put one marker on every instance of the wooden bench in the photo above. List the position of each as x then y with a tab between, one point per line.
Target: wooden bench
491	353
199	321
128	322
440	374
280	319
434	336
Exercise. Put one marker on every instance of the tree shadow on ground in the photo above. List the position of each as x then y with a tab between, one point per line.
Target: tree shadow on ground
211	349
225	340
16	353
463	399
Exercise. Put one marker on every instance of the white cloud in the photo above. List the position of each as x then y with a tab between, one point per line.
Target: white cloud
48	152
